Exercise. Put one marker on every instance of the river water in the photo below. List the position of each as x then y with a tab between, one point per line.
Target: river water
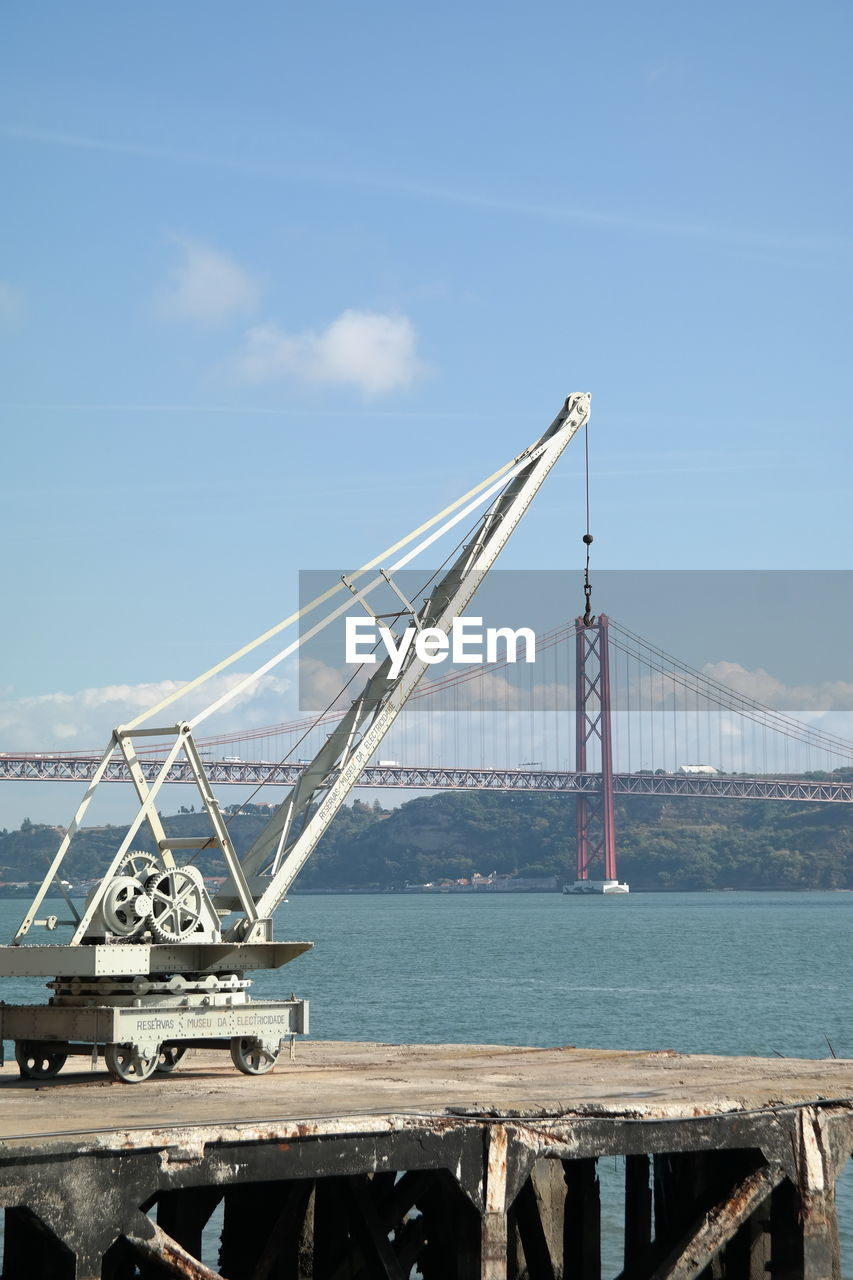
728	973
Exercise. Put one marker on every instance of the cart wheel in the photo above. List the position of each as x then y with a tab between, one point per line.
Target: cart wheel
40	1059
126	1063
169	1059
249	1057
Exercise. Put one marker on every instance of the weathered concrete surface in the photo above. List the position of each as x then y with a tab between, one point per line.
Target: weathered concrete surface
336	1080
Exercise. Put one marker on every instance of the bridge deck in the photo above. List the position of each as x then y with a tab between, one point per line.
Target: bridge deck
56	768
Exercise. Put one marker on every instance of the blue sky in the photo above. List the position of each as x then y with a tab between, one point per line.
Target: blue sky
278	281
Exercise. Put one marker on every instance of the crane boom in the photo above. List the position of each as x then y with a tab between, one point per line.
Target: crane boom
338	764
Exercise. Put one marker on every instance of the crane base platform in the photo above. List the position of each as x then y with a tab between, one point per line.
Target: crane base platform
137	1042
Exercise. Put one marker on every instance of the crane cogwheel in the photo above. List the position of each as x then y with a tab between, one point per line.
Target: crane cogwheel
125	906
176	903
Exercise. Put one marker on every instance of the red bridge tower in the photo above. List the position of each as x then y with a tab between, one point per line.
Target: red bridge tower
596	825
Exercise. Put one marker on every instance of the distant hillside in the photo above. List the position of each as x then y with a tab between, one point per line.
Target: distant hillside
662	843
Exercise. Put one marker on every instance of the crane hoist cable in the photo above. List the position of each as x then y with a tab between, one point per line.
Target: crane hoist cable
588	615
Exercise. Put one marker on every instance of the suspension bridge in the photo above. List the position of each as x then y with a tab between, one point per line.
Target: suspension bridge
601	713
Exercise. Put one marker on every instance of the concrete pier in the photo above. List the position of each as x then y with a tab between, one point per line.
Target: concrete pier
452	1162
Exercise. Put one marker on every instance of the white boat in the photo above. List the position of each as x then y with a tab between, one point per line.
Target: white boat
597	886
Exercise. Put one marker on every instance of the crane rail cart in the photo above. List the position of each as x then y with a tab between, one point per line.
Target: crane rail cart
156	964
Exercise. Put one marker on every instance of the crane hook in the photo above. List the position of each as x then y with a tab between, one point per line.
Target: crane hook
588	615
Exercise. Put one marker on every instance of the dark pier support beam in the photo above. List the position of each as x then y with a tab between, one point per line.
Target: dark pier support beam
678	1180
582	1229
29	1249
370	1233
330	1231
401	1214
711	1232
453	1242
262	1229
638	1212
786	1234
152	1243
283	1254
183	1215
535	1224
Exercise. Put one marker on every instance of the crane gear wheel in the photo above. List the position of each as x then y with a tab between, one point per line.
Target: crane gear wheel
140	864
125	905
177	903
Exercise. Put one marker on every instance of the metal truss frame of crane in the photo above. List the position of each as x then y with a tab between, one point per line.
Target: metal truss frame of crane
155	964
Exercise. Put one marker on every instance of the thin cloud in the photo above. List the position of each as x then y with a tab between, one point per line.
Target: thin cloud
84	719
321	686
730	236
369	350
208	287
76	142
828	695
241	410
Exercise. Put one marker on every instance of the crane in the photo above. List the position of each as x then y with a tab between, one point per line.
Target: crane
156	963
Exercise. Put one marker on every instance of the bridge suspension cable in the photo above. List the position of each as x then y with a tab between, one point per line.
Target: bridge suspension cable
715	693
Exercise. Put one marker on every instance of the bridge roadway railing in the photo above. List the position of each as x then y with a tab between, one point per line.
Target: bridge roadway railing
33	768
